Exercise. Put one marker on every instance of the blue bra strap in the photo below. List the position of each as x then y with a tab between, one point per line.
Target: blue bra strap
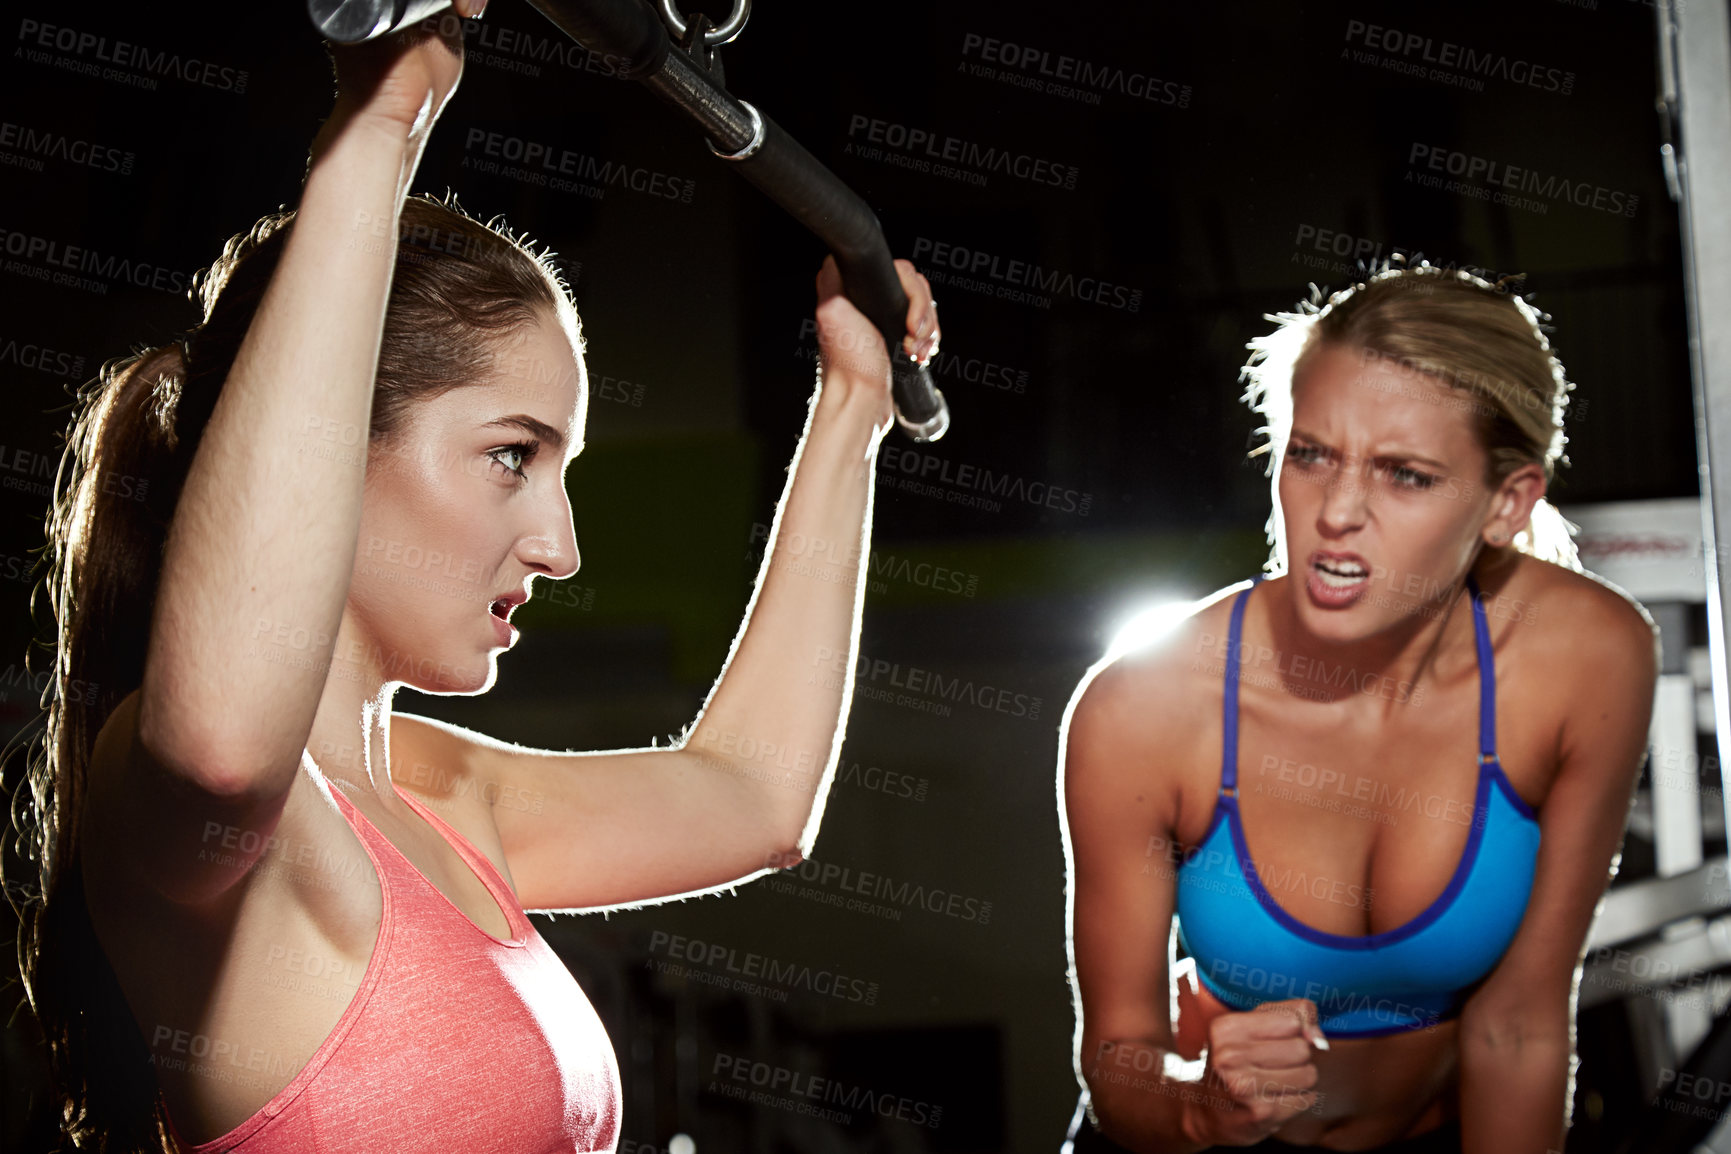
1229	743
1487	677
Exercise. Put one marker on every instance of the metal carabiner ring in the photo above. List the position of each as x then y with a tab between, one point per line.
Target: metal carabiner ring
718	35
752	145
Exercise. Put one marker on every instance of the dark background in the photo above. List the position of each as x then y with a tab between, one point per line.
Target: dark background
1266	133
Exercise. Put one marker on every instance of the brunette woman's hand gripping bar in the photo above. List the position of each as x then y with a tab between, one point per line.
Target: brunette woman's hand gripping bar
628	31
264	536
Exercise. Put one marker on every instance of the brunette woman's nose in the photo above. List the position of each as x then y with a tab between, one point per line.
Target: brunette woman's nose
565	561
554	555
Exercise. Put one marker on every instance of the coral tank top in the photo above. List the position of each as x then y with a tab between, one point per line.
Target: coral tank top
455	1039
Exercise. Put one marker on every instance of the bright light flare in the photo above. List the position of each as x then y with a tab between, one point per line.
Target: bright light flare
1147	626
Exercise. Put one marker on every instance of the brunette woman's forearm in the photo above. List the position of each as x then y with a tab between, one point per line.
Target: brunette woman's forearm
259	555
780	704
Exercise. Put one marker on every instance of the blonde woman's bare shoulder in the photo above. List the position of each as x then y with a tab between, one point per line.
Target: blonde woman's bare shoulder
1162	669
1580	620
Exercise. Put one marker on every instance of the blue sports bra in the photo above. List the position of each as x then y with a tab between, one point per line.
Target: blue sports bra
1248	950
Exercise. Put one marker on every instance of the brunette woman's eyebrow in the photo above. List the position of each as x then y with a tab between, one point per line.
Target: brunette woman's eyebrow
523	422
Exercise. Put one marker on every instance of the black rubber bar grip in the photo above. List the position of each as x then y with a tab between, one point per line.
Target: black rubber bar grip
782	169
778	165
817	198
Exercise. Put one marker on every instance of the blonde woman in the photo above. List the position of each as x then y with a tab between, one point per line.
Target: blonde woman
1377	794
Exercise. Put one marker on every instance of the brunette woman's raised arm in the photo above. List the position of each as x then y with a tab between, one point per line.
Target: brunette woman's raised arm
264	534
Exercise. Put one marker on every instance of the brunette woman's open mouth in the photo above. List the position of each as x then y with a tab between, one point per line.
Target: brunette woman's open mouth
1336	580
500	611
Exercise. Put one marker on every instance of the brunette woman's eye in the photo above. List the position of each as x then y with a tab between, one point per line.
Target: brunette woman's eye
524	451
